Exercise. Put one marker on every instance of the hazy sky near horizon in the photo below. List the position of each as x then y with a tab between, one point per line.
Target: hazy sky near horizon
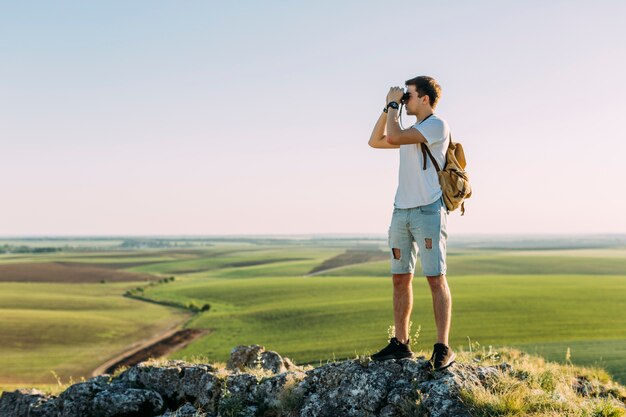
154	117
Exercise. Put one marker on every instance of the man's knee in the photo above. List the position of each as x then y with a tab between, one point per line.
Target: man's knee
437	282
400	280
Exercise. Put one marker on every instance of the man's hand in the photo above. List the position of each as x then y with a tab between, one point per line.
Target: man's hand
395	94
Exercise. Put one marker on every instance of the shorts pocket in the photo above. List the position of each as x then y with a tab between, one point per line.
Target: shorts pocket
431	209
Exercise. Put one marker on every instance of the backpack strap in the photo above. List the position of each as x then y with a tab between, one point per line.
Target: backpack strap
422	145
432	158
425	149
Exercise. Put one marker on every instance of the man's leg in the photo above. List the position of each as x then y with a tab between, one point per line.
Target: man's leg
429	231
403	256
402	304
442	306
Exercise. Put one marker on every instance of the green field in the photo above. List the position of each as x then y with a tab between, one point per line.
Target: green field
543	301
70	328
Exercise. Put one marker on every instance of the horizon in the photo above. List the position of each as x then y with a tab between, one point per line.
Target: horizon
316	235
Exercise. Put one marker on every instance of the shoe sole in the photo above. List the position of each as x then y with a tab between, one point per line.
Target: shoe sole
386	358
452	360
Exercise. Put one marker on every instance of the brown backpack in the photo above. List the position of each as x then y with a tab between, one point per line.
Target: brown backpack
453	178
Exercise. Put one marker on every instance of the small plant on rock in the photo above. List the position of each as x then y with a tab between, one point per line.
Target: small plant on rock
230	405
291	399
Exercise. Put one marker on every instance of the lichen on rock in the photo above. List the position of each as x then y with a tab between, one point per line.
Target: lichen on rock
260	383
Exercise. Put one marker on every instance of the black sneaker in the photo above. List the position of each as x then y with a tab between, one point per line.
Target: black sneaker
394	350
442	357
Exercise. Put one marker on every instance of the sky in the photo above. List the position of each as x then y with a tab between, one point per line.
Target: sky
217	118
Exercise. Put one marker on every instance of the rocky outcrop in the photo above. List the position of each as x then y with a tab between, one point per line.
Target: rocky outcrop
255	356
257	382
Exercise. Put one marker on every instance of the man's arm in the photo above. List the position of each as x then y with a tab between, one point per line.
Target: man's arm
397	136
379	139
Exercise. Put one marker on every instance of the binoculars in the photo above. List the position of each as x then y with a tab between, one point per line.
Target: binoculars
405	97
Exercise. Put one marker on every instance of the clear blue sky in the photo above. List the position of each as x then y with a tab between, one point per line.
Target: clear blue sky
153	117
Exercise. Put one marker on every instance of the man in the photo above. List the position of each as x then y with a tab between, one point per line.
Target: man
419	215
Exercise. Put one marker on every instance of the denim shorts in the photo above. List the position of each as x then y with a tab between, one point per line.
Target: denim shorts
419	230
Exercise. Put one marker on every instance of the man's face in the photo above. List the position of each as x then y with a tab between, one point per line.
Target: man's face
414	102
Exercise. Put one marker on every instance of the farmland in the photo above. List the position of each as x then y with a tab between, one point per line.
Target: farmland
541	300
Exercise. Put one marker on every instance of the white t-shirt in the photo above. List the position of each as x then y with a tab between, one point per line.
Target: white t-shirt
417	187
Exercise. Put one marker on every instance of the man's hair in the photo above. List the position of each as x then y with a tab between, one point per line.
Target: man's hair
426	85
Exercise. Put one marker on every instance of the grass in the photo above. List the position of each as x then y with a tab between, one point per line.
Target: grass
504	263
311	318
230	259
351	257
604	353
66	272
70	328
535	387
258	294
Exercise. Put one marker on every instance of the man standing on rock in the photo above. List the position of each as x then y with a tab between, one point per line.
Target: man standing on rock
419	216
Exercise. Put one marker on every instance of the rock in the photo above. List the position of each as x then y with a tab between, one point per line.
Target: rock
255	356
78	398
241	386
126	402
27	403
177	382
245	356
175	388
440	394
352	388
349	388
271	392
290	365
505	367
187	410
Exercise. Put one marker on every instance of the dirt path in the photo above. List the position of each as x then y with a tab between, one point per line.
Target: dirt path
162	344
